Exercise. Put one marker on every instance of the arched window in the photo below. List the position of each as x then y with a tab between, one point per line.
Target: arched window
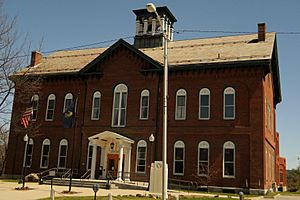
50	107
68	101
62	154
180	112
28	156
96	106
141	152
203	158
119	106
179	154
35	106
144	105
229	103
228	159
89	156
45	154
204	104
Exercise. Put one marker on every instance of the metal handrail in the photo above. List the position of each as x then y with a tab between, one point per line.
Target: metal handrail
66	174
86	175
41	174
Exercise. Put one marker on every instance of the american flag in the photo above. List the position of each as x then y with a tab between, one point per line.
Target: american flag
26	117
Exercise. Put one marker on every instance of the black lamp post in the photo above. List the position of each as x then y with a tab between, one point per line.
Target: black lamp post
26	138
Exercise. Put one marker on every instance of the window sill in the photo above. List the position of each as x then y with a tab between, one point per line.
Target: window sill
227	176
176	174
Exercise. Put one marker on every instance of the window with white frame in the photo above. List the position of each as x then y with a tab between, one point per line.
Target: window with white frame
229	103
50	107
178	166
68	101
28	155
62	154
119	106
228	159
141	152
45	154
144	104
180	113
96	106
89	156
204	104
35	106
203	158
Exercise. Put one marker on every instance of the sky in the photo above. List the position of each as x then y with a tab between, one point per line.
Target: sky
55	24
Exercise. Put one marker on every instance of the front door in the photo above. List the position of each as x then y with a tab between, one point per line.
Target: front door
112	165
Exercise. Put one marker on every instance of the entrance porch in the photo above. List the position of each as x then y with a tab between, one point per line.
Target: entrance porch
115	155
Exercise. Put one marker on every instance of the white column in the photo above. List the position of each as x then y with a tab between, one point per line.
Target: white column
127	163
172	32
137	28
119	172
145	26
94	158
102	161
162	22
169	30
153	25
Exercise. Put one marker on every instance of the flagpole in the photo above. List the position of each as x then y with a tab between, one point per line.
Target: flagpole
73	141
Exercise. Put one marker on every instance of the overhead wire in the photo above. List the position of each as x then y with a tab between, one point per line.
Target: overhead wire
179	31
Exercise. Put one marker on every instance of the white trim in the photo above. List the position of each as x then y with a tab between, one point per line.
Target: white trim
204	91
26	155
179	144
63	142
96	94
229	91
122	90
141	143
45	142
181	92
89	156
144	93
34	109
50	97
203	145
229	145
67	97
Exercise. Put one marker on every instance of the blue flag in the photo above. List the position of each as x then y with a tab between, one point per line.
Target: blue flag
68	117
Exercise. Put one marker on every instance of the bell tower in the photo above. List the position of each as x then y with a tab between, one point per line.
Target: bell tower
148	32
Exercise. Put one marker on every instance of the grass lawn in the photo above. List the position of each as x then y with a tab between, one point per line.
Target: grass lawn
9	180
130	198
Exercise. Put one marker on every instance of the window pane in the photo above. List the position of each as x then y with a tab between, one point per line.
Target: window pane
179	167
51	104
180	100
140	168
203	167
50	114
96	102
62	161
229	155
116	112
123	112
124	96
204	100
178	153
117	100
203	155
144	113
204	112
46	149
144	100
29	149
229	169
229	111
229	99
63	150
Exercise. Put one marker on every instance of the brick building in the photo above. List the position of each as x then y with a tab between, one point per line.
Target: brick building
222	101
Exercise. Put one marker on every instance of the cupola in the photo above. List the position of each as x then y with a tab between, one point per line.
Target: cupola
148	32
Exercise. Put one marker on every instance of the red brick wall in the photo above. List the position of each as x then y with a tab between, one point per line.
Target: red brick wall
246	131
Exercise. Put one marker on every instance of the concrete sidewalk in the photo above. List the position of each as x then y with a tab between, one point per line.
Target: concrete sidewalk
8	192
